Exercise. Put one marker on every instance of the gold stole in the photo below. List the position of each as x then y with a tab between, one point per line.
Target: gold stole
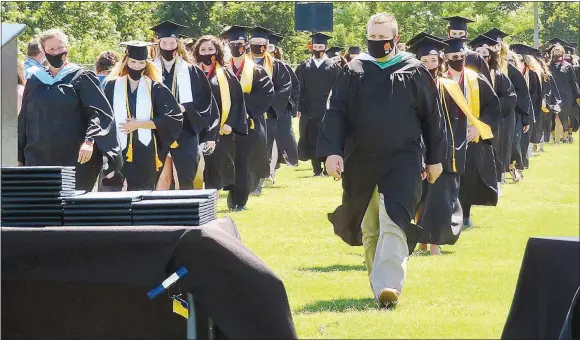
471	108
269	67
247	77
226	100
158	163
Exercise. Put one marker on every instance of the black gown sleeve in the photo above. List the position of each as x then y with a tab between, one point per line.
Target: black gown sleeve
167	115
282	89
295	92
490	112
555	98
300	77
101	120
237	118
476	63
524	105
573	83
21	127
506	93
260	98
432	122
332	132
536	94
203	110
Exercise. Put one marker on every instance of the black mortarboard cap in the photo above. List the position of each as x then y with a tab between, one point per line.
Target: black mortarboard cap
496	34
569	49
559	41
420	36
427	46
354	50
235	32
260	32
320	38
334	51
481	40
523	49
455	45
275	38
168	29
458	23
138	50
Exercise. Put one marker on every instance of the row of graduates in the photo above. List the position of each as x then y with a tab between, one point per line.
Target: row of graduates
152	116
495	100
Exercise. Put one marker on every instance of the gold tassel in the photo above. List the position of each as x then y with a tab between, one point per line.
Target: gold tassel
252	124
130	149
158	162
265	115
174	145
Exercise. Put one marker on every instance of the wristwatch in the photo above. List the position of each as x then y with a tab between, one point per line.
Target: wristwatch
89	141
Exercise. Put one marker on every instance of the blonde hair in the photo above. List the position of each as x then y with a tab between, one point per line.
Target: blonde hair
55	33
534	65
384	18
121	69
516	59
503	52
181	51
545	69
559	48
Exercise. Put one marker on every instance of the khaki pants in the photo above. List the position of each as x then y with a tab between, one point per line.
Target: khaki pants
558	130
385	245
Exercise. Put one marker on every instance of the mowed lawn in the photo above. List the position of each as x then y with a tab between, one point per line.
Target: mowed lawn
465	293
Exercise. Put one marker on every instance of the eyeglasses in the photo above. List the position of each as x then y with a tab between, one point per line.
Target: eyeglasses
454	57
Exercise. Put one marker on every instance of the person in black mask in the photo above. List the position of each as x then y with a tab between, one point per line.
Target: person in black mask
382	106
353	52
220	170
190	87
258	92
317	75
457	29
426	48
503	136
149	119
65	120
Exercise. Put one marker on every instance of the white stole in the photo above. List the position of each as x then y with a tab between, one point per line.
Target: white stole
183	92
143	108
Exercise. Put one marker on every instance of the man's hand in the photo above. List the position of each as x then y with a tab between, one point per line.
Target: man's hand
20	164
298	114
526	128
433	172
129	126
335	166
226	129
208	147
472	134
85	153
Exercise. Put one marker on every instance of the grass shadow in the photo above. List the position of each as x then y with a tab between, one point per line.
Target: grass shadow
312	176
340	305
335	268
275	187
427	253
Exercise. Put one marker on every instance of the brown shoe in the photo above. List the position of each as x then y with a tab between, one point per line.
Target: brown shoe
388	298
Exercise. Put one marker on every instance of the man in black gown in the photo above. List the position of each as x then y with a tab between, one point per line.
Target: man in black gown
317	75
383	105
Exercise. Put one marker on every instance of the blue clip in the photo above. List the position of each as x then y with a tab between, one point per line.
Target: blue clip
153	293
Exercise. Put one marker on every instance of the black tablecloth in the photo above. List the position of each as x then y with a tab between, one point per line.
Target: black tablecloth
91	283
549	278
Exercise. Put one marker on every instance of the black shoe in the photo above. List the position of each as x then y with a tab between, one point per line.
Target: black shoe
230	201
241	208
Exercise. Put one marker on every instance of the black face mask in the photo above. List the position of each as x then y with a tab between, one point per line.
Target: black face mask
317	54
167	54
237	50
135	74
380	48
258	49
456	65
57	60
207	59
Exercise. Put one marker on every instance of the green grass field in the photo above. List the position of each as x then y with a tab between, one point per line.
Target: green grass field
465	293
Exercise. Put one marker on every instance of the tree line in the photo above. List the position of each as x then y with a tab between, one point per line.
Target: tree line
100	25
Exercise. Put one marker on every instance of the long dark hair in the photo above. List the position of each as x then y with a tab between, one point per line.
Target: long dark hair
218	47
20	71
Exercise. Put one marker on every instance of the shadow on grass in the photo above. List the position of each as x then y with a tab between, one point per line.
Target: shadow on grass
335	268
427	253
276	186
341	306
312	176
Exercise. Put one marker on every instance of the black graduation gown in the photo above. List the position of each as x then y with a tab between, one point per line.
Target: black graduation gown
199	115
375	121
315	86
553	101
503	135
440	214
285	139
251	157
475	62
536	97
538	128
563	74
479	182
282	90
55	120
523	111
141	173
220	170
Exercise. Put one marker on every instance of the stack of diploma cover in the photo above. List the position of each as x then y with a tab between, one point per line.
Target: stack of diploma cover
32	196
100	208
176	207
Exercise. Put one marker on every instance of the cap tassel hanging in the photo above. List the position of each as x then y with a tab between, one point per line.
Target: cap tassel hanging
130	148
175	145
158	162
